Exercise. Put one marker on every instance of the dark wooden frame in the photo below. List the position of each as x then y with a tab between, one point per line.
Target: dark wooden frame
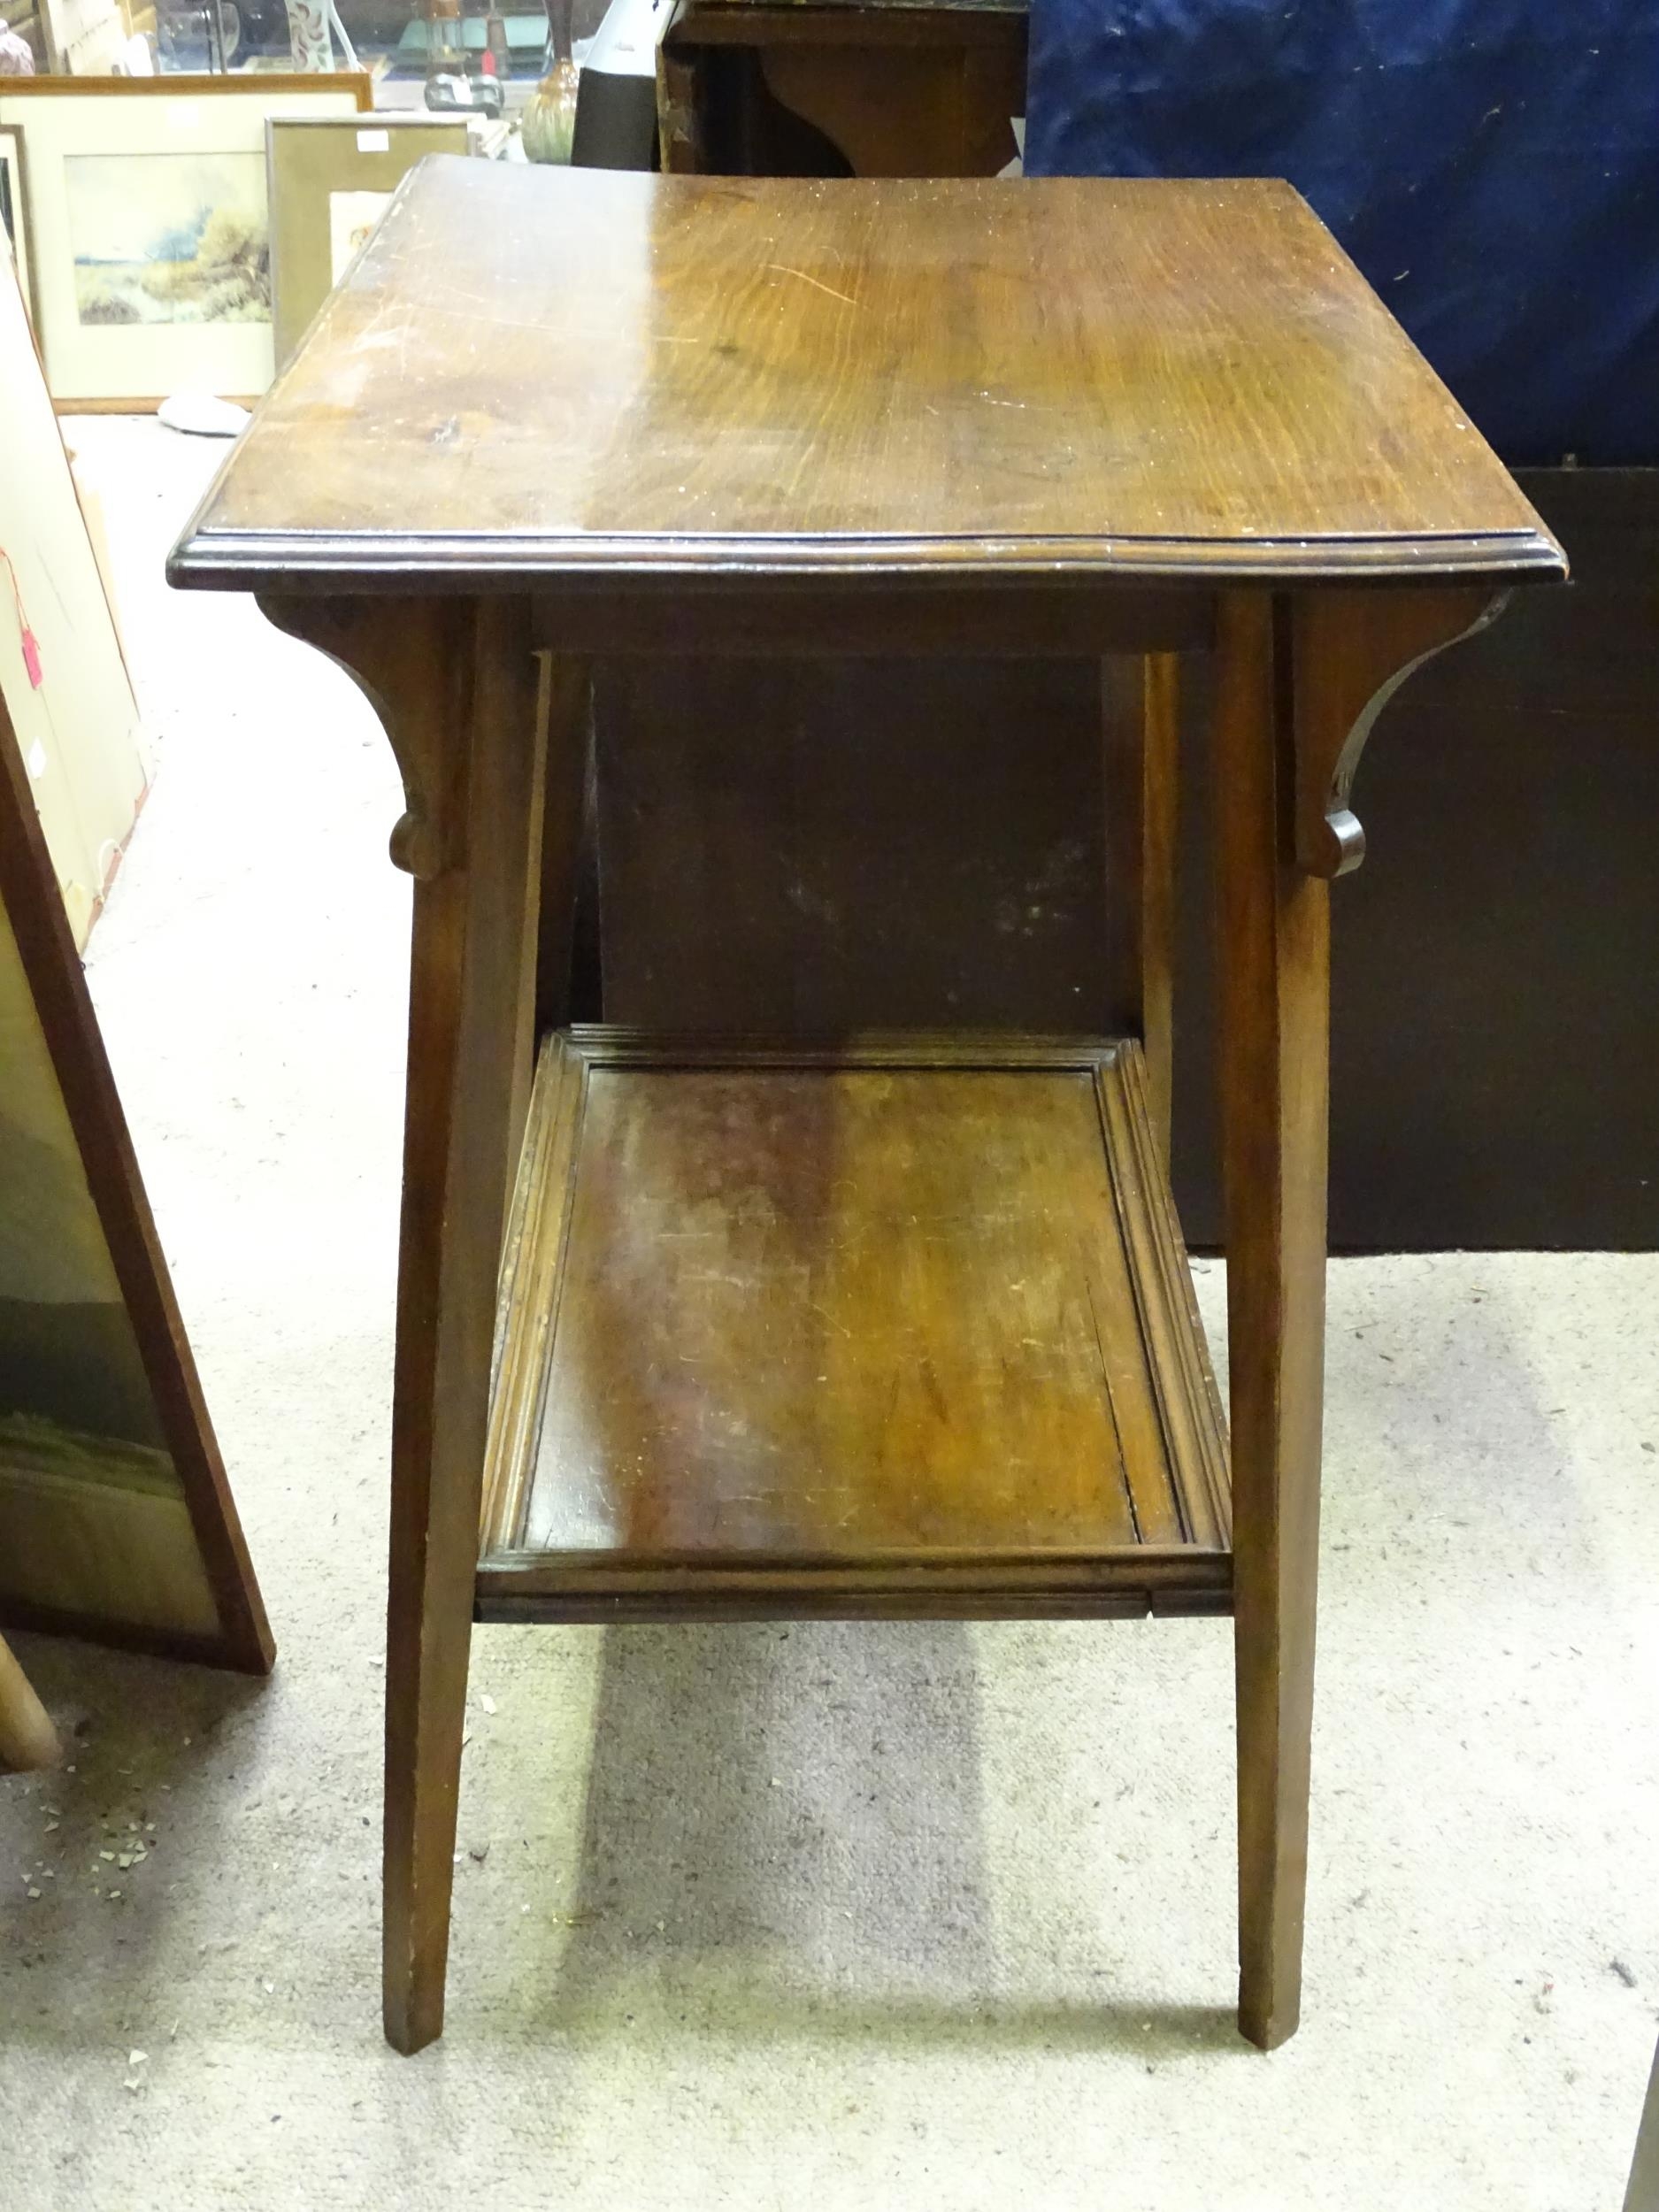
189	85
908	92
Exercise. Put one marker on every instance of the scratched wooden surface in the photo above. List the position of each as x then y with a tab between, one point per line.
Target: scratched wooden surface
790	1310
542	370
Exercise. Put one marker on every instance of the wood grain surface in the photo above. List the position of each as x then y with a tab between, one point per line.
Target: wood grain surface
1273	1001
920	1301
547	372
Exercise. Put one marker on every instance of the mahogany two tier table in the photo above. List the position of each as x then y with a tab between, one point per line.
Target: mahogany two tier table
716	1326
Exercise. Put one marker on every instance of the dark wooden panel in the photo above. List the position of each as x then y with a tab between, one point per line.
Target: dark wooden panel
806	848
812	91
659	615
1496	1019
803	90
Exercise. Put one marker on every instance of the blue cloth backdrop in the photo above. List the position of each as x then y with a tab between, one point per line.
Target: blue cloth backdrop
1492	166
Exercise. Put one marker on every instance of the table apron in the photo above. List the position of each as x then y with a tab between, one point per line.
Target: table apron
835	621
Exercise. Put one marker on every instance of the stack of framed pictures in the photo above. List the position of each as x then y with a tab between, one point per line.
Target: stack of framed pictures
140	220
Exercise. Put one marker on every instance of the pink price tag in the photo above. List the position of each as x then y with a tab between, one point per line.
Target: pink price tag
32	658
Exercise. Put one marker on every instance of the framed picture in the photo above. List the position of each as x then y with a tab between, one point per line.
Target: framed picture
70	699
84	38
148	229
116	1519
329	180
14	210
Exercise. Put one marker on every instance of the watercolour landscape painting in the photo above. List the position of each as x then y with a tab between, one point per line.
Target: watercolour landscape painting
169	238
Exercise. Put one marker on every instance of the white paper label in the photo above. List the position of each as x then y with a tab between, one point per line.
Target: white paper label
374	141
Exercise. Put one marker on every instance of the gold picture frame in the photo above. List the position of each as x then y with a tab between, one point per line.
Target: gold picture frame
329	178
148	227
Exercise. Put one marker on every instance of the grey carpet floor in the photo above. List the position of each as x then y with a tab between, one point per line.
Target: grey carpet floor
846	1917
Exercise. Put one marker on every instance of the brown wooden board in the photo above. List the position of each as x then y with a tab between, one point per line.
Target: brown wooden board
118	1521
685	376
864	1329
872	843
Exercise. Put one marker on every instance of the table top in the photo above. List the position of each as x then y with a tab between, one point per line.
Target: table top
547	374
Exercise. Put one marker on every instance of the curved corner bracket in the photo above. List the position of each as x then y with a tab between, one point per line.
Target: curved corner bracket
408	660
1350	652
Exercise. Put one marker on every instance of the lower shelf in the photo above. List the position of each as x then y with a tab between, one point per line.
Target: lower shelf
897	1328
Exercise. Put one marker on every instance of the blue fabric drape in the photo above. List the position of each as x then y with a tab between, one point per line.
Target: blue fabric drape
1492	166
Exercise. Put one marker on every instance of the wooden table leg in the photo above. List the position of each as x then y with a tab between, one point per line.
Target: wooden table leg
1139	702
565	706
1300	681
27	1738
472	962
1273	959
457	688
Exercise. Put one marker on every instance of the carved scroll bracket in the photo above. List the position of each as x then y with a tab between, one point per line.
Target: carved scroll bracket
412	660
1350	652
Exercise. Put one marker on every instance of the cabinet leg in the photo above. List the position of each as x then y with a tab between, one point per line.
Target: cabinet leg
1273	943
1140	700
27	1738
470	999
